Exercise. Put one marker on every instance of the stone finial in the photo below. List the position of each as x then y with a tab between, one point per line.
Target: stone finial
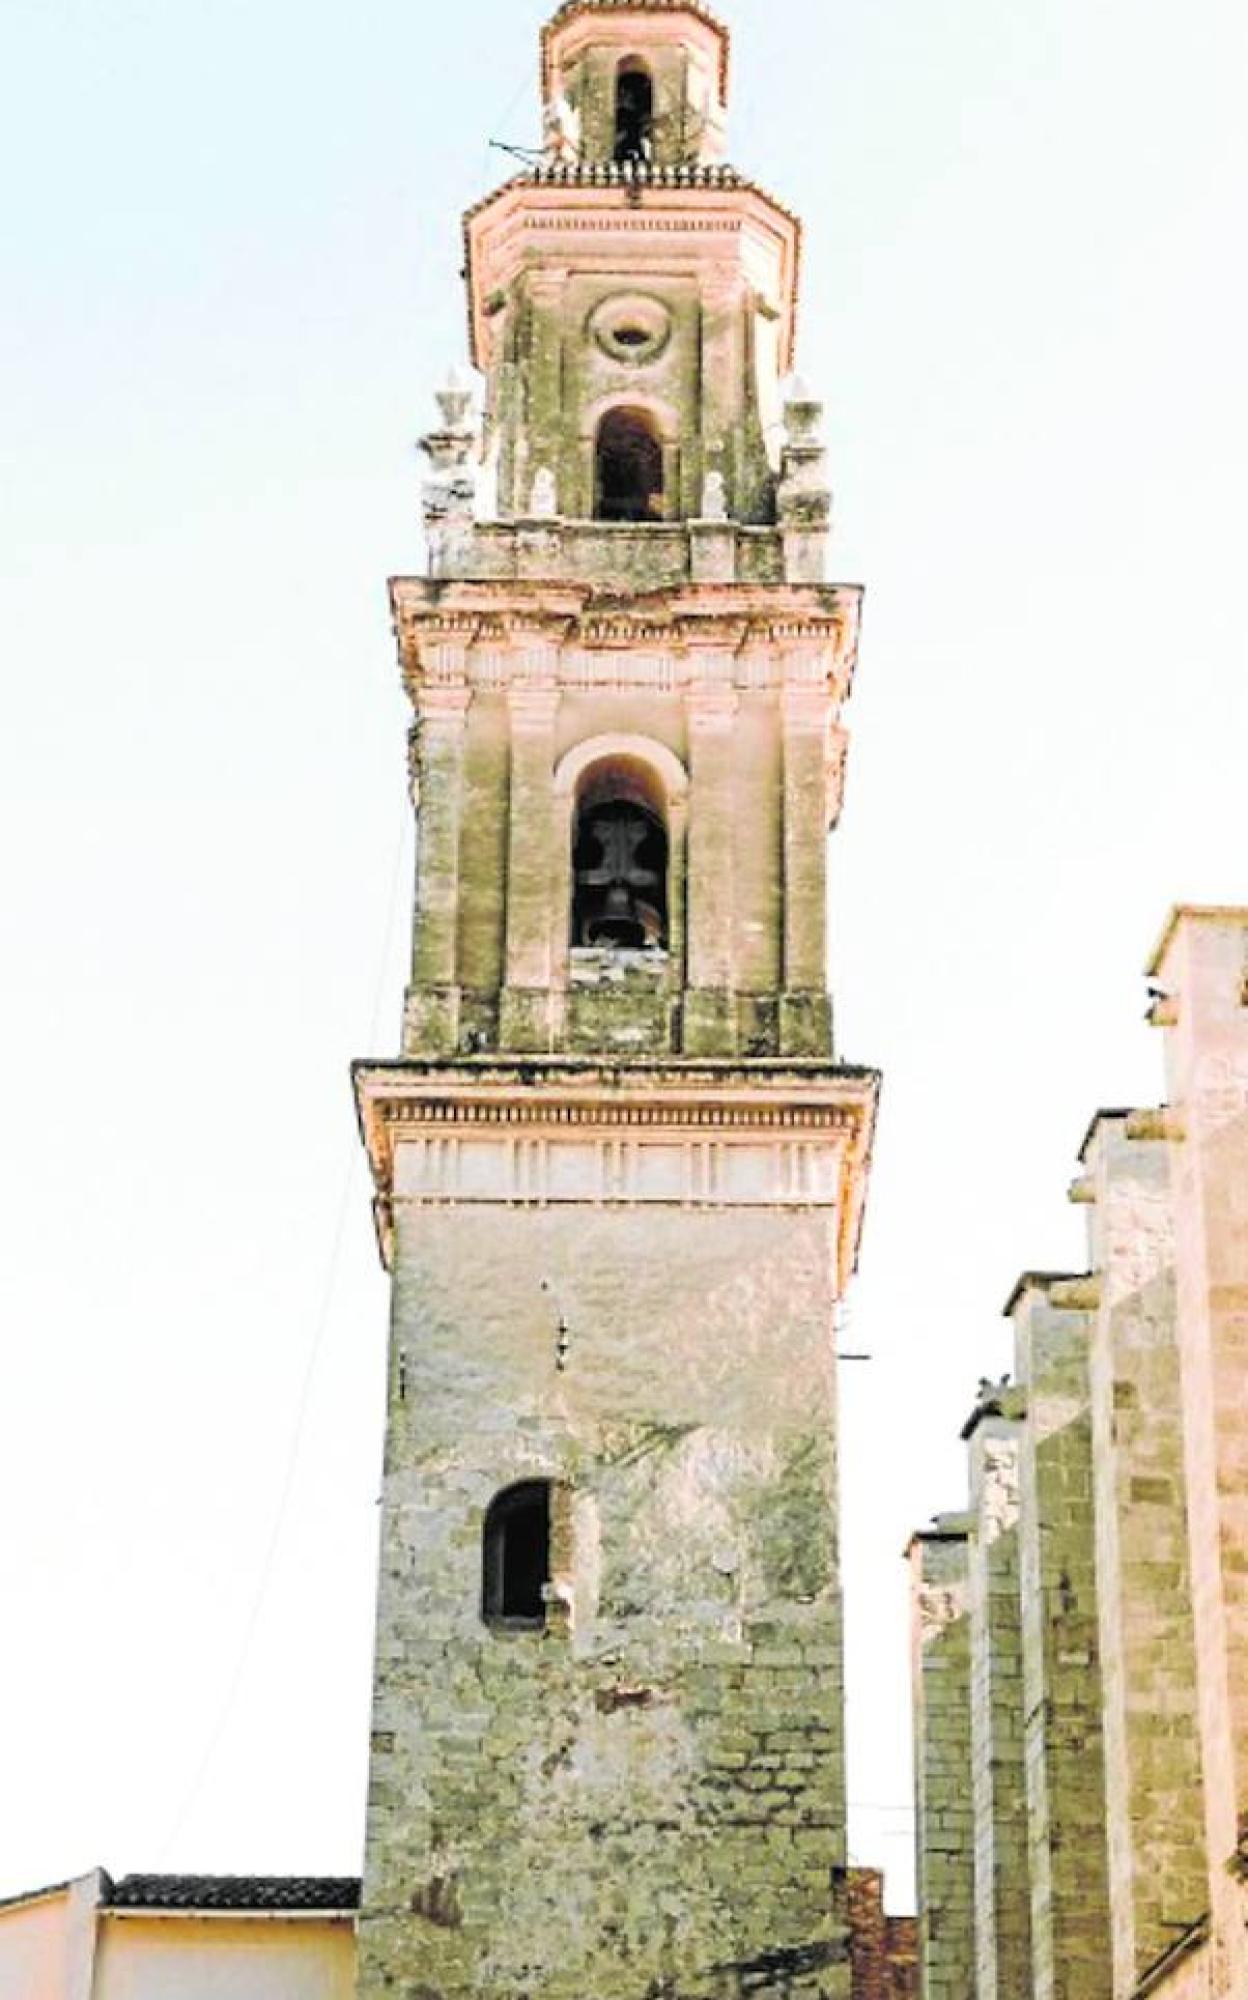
544	502
454	399
562	131
448	496
803	496
714	497
803	414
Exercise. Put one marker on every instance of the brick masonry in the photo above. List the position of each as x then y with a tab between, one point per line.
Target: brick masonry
883	1950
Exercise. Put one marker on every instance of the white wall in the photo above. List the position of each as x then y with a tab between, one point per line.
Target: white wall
223	1958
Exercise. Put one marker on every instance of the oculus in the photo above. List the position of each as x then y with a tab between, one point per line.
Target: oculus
631	327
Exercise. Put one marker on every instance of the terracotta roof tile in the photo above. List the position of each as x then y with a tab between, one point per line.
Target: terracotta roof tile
236	1892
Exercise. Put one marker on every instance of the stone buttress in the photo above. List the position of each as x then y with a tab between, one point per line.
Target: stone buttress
619	1169
944	1812
1106	1759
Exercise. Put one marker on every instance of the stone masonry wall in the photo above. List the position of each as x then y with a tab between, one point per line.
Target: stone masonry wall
747	812
1110	1513
998	1774
1153	1792
648	1797
945	1821
1067	1855
1203	967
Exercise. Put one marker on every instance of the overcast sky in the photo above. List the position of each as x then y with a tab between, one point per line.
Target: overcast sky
231	249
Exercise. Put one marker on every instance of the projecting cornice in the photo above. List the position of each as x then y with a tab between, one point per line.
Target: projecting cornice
692	1135
579	217
577	10
563	635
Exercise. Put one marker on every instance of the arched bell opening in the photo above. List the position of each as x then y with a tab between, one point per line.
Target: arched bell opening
634	112
620	862
628	468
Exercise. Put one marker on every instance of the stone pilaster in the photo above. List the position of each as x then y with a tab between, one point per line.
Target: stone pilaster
998	1773
945	1822
525	1021
540	443
1153	1788
431	1023
1203	967
710	999
805	1007
1061	1692
723	356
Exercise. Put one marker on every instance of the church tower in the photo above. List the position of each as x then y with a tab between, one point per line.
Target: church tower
619	1170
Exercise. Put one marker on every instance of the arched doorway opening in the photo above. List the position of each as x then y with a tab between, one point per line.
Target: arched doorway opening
628	468
634	112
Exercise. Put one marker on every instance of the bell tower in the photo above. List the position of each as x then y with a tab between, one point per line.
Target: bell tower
619	1170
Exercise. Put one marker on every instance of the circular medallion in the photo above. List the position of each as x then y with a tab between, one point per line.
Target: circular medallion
631	327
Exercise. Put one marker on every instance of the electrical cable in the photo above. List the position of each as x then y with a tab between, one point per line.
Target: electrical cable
320	1327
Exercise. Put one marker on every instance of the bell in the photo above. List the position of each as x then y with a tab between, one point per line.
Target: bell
618	925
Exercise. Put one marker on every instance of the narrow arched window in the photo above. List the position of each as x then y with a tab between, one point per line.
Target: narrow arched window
516	1556
628	468
634	112
619	866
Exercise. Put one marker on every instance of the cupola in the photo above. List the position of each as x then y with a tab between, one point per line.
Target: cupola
641	82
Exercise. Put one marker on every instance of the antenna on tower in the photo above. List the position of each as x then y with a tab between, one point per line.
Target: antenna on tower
528	156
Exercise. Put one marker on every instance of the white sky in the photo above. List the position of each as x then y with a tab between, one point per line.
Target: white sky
232	251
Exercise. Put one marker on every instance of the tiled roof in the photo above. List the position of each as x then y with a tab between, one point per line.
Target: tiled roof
236	1892
633	173
571	7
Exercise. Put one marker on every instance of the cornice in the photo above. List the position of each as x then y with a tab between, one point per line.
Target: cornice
490	635
572	9
605	199
1231	914
556	1101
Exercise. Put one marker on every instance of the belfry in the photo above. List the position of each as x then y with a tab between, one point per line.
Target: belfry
620	1171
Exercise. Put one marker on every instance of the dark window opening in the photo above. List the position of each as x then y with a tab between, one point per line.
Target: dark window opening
630	336
619	870
634	114
629	475
517	1556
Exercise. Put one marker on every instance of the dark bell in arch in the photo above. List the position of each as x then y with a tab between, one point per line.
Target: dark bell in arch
620	871
634	115
629	468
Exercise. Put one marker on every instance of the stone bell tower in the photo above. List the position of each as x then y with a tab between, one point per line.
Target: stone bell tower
620	1173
